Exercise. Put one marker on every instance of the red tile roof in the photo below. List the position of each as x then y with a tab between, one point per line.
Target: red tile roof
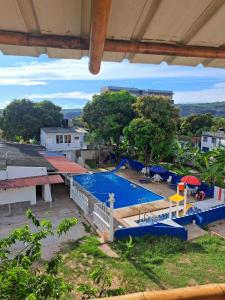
29	181
64	165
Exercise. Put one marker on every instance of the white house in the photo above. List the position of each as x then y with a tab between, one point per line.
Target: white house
67	141
24	174
210	140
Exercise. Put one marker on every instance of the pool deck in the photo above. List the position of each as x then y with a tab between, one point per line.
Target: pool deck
126	216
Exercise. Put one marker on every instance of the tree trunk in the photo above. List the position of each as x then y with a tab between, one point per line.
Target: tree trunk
151	155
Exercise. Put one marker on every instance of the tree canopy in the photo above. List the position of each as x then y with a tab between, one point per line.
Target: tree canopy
153	131
196	124
25	118
107	115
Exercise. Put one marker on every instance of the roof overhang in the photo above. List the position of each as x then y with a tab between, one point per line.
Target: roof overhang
178	32
29	181
65	166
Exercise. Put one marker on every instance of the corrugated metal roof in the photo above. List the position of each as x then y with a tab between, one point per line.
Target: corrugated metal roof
63	130
192	22
15	154
29	181
64	165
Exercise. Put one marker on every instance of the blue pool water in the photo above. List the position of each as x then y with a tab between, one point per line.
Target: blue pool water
126	193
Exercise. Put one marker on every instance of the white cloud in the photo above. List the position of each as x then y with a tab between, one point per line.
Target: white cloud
34	73
71	106
4	104
19	81
216	93
63	95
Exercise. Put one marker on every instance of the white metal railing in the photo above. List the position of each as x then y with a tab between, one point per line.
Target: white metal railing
101	217
79	198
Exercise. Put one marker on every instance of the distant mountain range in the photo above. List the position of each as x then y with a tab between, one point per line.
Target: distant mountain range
71	113
215	108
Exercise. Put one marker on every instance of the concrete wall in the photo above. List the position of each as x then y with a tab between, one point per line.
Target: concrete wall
26	194
21	172
89	154
48	140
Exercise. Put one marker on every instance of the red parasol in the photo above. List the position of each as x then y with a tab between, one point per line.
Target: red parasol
191	180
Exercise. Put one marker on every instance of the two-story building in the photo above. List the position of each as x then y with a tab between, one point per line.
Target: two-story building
210	140
68	141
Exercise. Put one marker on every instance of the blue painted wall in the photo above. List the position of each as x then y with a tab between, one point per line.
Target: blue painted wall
163	229
158	230
210	216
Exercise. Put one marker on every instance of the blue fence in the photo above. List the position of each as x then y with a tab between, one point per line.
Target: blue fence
136	165
157	230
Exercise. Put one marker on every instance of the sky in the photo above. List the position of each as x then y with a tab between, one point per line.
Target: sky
69	84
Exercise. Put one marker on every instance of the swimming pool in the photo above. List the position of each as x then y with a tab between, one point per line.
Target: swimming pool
126	192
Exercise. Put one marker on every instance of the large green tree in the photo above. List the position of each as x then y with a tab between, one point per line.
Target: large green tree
24	118
153	131
218	122
194	125
107	115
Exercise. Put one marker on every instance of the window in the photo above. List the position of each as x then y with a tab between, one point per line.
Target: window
67	139
59	139
214	140
76	137
205	139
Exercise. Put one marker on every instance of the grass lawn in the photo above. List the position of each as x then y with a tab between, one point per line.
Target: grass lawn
152	263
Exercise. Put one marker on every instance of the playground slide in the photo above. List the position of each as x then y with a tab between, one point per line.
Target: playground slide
122	163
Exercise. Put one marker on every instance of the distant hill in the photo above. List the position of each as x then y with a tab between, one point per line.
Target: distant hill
71	113
215	108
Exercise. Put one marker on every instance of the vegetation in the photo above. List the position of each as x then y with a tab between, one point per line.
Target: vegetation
146	263
102	278
194	125
24	118
19	278
214	108
107	115
211	166
152	132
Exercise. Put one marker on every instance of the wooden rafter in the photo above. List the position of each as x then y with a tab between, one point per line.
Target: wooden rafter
99	22
71	42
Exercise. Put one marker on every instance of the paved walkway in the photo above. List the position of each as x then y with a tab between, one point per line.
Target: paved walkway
62	207
194	231
218	228
108	251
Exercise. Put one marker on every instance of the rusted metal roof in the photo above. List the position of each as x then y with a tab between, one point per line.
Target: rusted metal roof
29	181
176	22
64	165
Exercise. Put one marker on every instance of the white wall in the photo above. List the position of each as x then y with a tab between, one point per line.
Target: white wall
48	140
21	172
209	144
25	194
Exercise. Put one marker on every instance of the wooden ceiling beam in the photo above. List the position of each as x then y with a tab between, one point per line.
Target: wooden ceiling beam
71	42
164	49
99	22
33	40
